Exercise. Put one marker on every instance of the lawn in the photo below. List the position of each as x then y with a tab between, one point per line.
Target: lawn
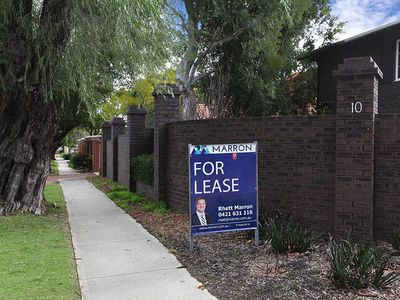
36	256
54	168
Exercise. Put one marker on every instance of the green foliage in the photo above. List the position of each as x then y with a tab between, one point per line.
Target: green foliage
251	72
139	94
73	52
80	161
395	241
37	260
142	168
66	156
286	235
71	139
360	265
297	94
54	168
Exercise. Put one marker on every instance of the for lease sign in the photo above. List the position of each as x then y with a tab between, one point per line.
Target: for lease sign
223	187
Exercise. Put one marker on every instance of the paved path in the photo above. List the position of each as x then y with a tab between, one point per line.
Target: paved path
63	167
116	257
65	172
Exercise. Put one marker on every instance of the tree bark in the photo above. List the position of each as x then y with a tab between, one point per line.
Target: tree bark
29	134
189	104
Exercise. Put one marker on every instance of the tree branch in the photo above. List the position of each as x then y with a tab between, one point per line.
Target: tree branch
179	15
16	31
198	77
213	45
55	25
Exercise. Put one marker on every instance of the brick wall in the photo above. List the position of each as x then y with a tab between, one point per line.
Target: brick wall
117	129
389	97
334	172
105	136
387	176
356	109
82	145
109	160
96	155
130	141
139	141
145	190
123	160
141	138
296	162
92	147
166	109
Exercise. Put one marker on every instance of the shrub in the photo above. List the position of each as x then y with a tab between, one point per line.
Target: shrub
359	265
81	161
66	156
395	241
142	167
286	235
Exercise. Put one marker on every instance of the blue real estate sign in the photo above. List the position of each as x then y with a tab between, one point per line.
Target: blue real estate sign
223	188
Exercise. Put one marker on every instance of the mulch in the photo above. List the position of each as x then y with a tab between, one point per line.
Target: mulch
231	267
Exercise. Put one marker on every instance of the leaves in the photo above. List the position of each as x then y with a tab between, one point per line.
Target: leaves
257	65
71	47
359	265
286	235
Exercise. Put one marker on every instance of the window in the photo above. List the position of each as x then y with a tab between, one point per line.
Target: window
397	71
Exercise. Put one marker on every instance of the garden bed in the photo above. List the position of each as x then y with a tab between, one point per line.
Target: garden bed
230	267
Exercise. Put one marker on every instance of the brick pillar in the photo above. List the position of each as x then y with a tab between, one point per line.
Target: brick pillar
166	109
136	131
356	107
117	128
95	154
105	136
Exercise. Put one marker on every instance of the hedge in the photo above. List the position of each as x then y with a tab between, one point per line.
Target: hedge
81	161
142	168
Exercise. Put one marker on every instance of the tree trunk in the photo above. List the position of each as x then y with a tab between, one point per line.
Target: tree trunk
28	136
189	104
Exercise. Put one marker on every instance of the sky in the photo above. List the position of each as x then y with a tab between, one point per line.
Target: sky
364	15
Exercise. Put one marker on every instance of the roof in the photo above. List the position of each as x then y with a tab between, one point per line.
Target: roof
350	39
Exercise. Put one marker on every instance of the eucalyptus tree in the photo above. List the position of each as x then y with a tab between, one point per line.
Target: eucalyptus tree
241	35
200	43
54	56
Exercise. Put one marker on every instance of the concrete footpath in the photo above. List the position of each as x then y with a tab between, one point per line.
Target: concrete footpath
65	172
116	257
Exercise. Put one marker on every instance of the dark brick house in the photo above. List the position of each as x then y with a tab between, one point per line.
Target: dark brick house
382	44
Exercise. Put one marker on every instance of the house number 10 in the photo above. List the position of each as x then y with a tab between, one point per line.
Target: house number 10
356	107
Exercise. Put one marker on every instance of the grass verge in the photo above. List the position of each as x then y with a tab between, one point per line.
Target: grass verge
126	200
54	168
36	256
